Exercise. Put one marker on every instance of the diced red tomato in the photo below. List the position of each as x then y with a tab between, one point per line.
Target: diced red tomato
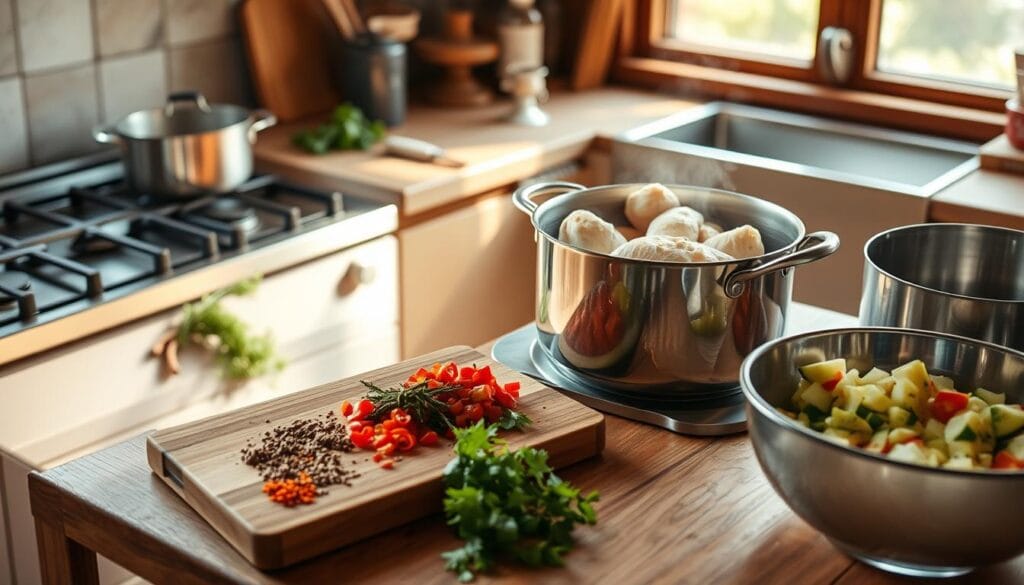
428	438
830	385
346	408
1006	460
947	403
474	412
456	406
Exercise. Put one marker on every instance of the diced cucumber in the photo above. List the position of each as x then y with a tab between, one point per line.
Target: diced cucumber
846	420
875	420
943	383
901	435
899	417
976	404
817	396
824	371
934	430
1006	420
910	453
873	376
877	442
965	426
875	398
990	397
914	371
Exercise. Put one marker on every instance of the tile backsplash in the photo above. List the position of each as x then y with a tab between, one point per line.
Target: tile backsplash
69	65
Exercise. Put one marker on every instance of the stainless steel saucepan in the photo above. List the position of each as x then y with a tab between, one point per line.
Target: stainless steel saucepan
953	278
187	148
677	330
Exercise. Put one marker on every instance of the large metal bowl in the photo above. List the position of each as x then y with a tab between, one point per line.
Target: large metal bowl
895	516
953	278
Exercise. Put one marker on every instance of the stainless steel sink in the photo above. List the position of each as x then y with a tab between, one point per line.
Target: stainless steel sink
813	146
853	179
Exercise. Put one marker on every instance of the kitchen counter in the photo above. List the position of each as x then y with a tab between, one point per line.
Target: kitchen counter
985	197
673	509
496	153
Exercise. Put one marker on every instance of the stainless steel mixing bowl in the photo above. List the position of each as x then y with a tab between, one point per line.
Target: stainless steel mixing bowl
896	516
954	278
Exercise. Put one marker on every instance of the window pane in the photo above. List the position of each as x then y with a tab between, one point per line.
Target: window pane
780	28
958	40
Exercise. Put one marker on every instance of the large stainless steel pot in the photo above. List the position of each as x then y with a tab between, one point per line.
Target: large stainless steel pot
187	148
662	329
954	278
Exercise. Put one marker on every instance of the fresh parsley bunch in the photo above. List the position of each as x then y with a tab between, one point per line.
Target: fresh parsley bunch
347	129
505	502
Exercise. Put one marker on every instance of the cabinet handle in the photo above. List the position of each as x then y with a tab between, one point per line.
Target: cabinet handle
356	275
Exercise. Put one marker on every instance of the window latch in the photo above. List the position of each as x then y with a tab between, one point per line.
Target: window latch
835	54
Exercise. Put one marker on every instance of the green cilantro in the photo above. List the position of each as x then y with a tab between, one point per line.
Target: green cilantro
347	129
505	502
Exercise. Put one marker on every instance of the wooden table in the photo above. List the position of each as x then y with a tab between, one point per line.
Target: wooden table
673	509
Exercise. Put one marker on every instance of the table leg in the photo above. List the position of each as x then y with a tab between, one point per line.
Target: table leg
63	561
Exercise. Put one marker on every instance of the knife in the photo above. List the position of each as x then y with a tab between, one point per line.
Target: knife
418	150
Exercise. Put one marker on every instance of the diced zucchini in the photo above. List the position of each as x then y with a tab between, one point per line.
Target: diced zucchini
965	426
846	420
959	463
943	383
1016	447
914	371
934	430
817	396
875	398
901	435
815	418
1006	420
873	376
906	394
976	404
875	420
990	397
899	417
824	371
877	442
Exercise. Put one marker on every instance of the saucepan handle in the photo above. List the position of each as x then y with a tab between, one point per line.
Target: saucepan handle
523	197
813	247
261	120
105	135
195	98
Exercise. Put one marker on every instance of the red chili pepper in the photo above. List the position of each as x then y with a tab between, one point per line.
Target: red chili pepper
403	440
428	438
346	408
830	385
505	399
362	409
381	440
357	425
947	403
1006	460
363	438
401	417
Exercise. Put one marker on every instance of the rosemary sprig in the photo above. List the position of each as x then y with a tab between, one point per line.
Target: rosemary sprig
419	400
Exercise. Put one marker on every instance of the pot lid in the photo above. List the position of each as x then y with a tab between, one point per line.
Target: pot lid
185	113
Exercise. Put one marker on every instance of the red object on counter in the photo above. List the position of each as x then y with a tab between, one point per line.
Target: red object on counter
947	403
1015	123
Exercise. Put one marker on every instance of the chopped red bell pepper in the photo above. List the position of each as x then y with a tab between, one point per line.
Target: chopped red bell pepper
346	408
428	438
830	385
947	403
1006	460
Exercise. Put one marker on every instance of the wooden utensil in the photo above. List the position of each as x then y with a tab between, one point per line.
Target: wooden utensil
201	461
341	19
597	44
289	54
458	52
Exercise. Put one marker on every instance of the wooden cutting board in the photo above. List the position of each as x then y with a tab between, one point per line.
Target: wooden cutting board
290	48
999	155
201	461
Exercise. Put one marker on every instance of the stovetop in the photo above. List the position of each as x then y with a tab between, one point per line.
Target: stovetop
80	237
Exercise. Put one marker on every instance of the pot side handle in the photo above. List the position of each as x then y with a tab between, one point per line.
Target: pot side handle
261	120
523	196
814	246
105	135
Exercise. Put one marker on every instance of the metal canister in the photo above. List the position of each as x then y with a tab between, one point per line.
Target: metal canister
373	77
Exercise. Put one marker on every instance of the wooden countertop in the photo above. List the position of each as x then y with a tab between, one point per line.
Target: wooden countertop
985	197
673	509
496	153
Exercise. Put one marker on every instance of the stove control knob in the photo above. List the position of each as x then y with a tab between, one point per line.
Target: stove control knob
356	275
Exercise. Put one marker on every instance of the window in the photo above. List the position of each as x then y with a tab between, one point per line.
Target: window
954	52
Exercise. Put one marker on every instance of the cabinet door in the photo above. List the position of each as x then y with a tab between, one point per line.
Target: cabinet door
467	276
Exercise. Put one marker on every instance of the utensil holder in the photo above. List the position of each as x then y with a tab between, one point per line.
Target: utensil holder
372	75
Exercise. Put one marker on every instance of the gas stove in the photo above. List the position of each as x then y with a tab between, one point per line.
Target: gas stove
81	252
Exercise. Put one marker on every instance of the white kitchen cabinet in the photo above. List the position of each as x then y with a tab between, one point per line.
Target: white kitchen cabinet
331	317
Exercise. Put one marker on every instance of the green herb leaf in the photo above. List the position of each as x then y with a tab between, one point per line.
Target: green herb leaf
508	503
513	420
348	128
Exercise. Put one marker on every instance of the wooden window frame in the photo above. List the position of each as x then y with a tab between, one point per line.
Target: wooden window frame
647	57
